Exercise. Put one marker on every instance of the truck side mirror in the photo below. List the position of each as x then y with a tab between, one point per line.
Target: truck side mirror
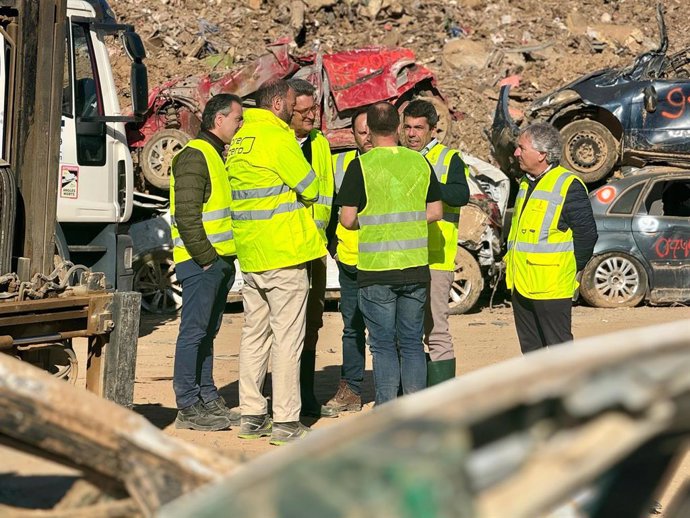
133	45
650	99
140	89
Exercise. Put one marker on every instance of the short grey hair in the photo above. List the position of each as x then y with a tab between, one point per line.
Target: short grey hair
301	87
545	139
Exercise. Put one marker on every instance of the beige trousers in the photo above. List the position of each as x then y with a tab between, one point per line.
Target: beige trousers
436	331
275	303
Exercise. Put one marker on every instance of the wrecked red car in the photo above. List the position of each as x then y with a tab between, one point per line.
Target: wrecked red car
345	81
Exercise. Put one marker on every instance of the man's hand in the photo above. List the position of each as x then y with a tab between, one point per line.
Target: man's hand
434	211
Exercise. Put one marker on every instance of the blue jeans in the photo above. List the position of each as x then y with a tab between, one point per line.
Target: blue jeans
204	295
390	313
354	343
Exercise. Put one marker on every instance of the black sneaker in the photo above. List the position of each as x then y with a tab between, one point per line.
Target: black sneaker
255	426
220	408
317	410
284	433
197	417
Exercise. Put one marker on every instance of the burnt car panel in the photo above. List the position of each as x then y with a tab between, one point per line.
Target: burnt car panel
644	252
344	81
612	117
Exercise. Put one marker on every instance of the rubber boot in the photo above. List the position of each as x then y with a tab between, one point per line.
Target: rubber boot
437	372
310	406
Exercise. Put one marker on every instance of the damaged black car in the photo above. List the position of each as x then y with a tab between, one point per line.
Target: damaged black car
612	118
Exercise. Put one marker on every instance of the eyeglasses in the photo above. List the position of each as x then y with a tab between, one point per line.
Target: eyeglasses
312	109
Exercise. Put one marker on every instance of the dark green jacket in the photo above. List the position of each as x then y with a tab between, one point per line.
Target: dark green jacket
192	190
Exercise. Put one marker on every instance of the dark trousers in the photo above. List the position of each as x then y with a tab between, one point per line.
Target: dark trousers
540	323
394	316
354	341
316	271
204	295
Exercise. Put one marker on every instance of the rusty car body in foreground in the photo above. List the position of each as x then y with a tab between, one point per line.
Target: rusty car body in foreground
595	425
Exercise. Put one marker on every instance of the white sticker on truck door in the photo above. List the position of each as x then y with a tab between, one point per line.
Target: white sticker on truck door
69	181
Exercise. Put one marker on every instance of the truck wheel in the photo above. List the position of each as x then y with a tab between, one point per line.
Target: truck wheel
467	284
57	358
613	280
155	279
157	156
589	149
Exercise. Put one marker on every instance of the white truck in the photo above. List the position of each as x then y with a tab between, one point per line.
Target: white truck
95	189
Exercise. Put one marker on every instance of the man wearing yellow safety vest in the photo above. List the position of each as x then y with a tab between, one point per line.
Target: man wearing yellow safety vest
552	236
343	247
391	193
419	126
204	250
273	187
317	152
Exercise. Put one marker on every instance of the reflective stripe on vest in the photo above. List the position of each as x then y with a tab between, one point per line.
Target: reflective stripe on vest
443	235
540	262
348	243
215	215
273	228
393	229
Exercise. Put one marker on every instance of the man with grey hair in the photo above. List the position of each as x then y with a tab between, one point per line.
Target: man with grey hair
551	238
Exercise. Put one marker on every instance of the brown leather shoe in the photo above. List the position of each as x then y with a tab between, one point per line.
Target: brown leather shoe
345	400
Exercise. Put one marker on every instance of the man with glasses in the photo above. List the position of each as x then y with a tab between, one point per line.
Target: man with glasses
318	153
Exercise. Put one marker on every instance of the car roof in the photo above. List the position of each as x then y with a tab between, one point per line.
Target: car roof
648	172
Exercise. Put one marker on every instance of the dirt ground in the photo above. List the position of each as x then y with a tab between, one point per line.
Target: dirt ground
482	338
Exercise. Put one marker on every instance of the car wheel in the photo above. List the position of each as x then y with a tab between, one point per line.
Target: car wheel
613	280
157	155
589	149
155	279
467	283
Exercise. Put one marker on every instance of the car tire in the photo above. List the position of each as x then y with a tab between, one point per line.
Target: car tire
155	279
157	154
613	280
468	283
589	149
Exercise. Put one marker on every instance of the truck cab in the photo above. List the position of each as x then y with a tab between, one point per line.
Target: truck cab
96	179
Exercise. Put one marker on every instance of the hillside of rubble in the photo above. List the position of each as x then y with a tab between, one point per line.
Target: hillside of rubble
471	45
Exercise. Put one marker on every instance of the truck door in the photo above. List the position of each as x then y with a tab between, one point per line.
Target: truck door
95	165
661	229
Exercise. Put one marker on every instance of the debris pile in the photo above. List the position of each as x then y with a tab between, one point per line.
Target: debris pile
472	46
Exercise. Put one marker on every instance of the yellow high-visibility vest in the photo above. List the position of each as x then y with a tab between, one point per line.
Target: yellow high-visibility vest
443	234
540	262
323	167
215	213
273	226
347	239
393	229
